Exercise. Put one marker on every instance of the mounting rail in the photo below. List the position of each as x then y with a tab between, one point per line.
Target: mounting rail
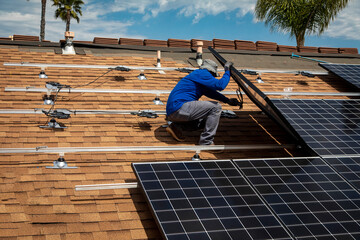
75	112
198	148
256	71
159	92
106	186
44	65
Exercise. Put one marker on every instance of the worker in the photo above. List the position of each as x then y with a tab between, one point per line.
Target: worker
183	106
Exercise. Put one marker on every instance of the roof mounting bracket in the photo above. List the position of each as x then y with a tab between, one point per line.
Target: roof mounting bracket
120	68
146	113
306	74
185	70
250	72
60	163
58	113
55	86
196	157
52	124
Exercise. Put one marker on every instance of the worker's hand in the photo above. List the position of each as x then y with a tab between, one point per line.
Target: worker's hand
228	65
233	102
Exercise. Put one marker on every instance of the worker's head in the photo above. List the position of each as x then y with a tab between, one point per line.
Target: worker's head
211	66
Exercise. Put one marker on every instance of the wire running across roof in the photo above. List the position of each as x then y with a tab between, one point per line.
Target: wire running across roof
206	200
309	197
329	127
348	72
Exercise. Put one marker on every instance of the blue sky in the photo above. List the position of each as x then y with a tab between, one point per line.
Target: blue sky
163	19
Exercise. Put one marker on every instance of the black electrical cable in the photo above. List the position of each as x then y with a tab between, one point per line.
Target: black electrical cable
111	69
69	99
53	105
240	97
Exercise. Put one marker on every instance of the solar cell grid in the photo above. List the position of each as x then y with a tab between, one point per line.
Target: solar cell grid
349	72
348	167
206	200
329	127
311	199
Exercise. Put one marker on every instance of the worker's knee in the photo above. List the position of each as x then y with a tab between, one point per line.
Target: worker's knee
217	107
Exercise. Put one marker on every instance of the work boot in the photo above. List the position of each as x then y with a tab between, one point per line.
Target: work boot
175	132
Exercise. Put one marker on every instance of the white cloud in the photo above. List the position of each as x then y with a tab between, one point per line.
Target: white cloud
23	17
188	8
347	23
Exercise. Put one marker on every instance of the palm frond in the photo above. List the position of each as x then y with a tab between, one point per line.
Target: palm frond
298	17
65	6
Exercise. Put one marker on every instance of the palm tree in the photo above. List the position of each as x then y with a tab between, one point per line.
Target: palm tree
67	9
298	17
42	22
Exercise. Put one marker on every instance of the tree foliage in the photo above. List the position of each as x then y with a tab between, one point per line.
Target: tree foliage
298	17
67	9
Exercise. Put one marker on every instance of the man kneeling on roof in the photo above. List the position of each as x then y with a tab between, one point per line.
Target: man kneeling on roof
183	106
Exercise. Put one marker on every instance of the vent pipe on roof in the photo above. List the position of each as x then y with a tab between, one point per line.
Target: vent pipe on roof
69	47
199	52
158	64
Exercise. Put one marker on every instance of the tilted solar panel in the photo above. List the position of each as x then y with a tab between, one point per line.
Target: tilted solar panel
206	200
329	127
311	199
348	167
348	72
255	95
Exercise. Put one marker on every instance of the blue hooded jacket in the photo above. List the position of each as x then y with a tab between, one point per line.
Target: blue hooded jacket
198	83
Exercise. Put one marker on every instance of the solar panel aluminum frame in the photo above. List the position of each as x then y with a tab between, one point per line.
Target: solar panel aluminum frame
263	102
158	222
333	105
327	66
316	179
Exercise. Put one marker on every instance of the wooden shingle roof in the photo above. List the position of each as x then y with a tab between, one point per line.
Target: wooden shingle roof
41	203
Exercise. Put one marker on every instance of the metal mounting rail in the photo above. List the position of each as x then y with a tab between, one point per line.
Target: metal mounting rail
79	90
75	112
106	186
44	65
199	148
159	92
340	156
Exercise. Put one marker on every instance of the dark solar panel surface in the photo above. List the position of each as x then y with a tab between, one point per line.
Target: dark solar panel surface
348	72
254	94
206	200
348	167
329	127
312	200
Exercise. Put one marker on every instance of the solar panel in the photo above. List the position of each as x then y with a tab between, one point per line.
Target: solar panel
255	95
348	167
348	72
205	200
311	199
329	127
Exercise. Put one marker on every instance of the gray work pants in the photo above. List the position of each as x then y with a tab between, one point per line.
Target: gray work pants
208	111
